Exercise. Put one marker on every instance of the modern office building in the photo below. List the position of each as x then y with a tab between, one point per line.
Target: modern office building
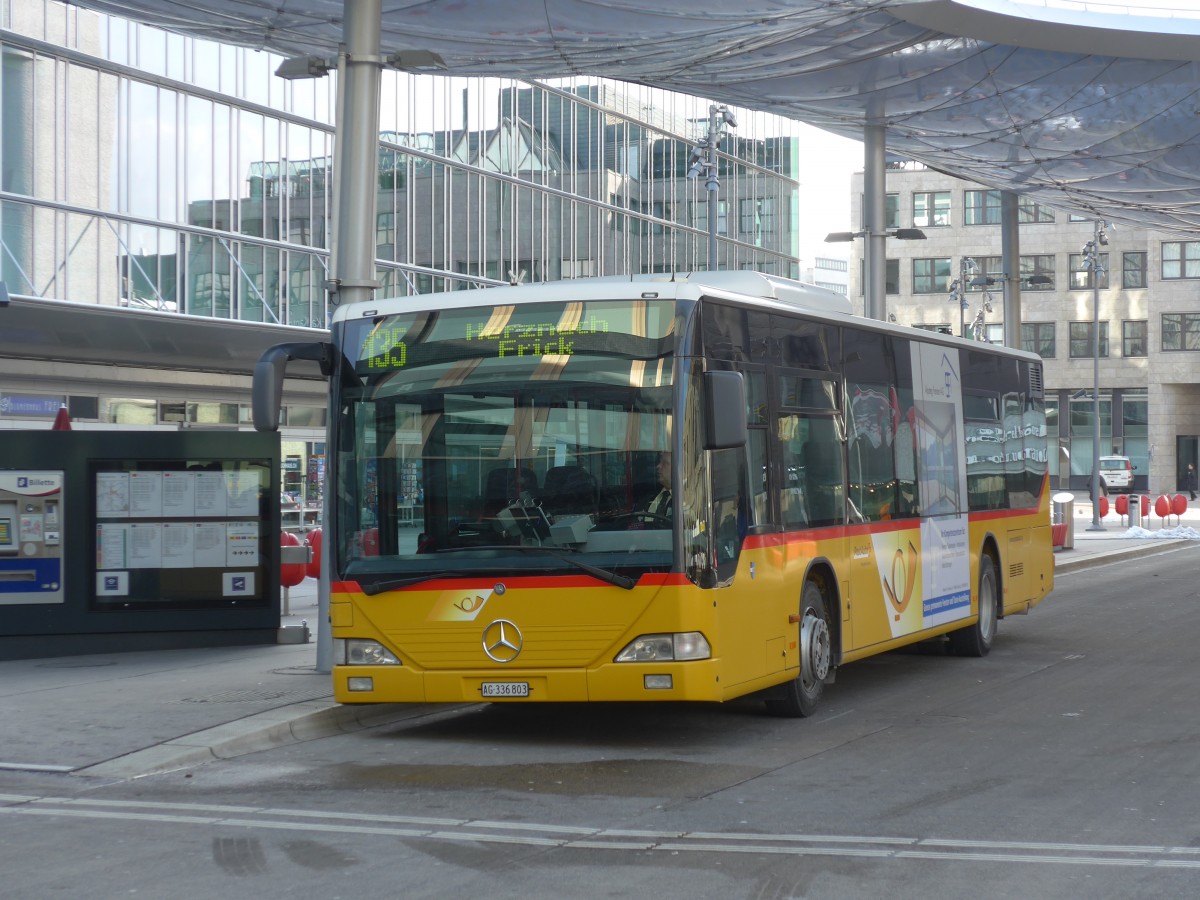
1149	314
166	208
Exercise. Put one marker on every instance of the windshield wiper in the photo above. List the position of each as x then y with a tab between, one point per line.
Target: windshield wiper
371	588
621	581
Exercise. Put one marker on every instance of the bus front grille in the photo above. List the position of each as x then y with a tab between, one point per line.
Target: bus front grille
457	647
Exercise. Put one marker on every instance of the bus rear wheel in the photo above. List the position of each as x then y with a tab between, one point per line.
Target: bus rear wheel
800	696
976	640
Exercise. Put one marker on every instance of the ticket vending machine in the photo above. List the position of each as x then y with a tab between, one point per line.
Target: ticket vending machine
31	526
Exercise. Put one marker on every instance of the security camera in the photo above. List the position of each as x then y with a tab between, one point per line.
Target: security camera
729	118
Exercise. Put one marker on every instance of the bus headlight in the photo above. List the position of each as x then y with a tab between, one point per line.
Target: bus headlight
660	647
362	652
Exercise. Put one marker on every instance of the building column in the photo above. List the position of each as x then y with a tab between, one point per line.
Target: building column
356	175
875	221
1010	252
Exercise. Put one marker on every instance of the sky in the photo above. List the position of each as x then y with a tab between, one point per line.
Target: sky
827	162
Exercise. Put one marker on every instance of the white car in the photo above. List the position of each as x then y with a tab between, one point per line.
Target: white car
1117	473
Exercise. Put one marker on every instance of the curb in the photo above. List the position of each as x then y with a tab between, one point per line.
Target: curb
295	723
1150	548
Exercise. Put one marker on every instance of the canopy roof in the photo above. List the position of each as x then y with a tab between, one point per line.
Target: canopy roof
1098	113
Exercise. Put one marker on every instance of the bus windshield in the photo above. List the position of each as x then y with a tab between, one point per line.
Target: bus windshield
522	439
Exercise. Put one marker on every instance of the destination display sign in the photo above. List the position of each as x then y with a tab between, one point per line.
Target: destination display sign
397	342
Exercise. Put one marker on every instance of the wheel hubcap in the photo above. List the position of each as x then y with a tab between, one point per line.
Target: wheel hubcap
814	649
987	608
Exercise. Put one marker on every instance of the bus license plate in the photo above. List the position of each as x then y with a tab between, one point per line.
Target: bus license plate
505	688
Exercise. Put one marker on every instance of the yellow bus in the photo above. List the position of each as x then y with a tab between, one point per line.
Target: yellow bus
678	487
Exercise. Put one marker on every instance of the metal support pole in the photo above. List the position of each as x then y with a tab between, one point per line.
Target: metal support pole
875	220
1096	525
357	184
712	184
962	297
1010	251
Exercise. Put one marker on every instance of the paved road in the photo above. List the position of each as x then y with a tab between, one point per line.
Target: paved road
1062	765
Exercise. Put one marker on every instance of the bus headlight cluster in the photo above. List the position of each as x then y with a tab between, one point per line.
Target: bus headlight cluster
362	652
666	647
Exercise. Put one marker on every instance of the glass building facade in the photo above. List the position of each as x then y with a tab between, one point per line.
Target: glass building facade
154	173
148	170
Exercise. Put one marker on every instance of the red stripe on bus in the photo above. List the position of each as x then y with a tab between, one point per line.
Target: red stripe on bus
650	579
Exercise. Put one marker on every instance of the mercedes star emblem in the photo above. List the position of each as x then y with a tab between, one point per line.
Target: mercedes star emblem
502	641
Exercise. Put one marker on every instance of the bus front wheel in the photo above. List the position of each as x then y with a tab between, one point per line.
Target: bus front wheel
976	640
800	696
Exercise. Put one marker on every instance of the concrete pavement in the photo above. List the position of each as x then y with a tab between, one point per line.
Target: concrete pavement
123	715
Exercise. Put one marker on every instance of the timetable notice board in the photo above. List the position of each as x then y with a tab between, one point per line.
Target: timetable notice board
191	535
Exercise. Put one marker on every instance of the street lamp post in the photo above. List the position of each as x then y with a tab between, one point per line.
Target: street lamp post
1091	260
958	292
704	159
903	234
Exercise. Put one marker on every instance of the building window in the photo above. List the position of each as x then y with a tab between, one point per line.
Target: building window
931	209
931	276
664	213
1181	331
981	208
832	286
1081	340
766	215
129	411
993	332
832	265
1030	212
1181	259
891	277
1133	269
700	215
990	267
891	211
748	216
385	229
1133	337
1038	337
1038	269
1081	274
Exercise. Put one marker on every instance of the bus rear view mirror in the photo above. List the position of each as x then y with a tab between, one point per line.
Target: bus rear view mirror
267	390
724	410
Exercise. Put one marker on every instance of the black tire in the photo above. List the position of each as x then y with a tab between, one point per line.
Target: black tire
976	640
800	696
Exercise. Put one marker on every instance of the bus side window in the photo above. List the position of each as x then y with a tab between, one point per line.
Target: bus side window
824	473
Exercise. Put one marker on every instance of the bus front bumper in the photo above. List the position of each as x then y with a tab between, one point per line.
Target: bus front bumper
695	680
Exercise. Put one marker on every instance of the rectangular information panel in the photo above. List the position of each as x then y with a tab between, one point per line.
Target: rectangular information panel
180	534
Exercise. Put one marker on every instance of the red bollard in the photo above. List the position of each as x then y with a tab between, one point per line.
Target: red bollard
1162	507
290	574
315	539
1179	507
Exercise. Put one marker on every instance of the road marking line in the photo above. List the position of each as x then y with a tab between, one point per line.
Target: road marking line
490	832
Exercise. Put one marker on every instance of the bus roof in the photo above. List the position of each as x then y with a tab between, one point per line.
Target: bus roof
746	286
680	285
